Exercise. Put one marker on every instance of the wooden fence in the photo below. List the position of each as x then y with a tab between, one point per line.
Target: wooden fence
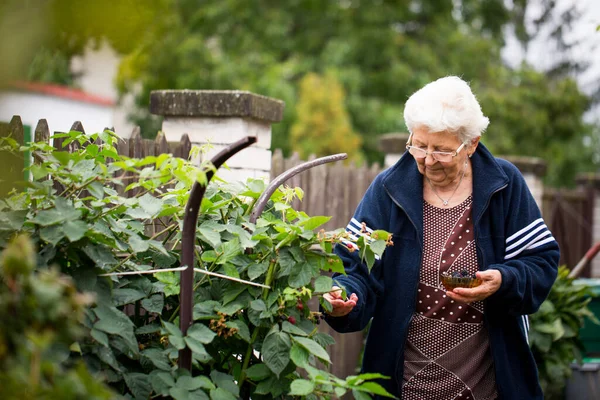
568	214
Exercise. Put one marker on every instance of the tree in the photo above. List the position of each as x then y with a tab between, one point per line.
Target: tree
323	125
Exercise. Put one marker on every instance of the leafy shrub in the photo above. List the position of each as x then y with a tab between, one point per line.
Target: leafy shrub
245	340
41	314
554	332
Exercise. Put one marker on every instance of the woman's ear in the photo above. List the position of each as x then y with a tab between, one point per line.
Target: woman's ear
473	146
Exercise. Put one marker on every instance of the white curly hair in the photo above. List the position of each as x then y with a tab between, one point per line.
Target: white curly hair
446	105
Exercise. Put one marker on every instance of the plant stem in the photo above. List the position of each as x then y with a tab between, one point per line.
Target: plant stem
265	294
247	357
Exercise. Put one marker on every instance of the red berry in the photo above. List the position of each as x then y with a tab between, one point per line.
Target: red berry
292	320
300	306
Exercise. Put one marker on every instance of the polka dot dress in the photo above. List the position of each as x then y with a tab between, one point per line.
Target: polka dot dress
447	352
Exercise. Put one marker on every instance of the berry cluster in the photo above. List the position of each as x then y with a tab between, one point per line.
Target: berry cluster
460	274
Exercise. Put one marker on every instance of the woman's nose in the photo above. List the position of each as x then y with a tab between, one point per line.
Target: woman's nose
429	160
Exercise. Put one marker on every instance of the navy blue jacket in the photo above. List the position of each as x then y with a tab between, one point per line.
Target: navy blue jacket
510	237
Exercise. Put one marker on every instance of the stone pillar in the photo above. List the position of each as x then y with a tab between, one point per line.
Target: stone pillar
591	182
393	145
221	117
533	170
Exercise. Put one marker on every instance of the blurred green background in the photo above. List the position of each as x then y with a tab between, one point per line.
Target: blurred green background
343	67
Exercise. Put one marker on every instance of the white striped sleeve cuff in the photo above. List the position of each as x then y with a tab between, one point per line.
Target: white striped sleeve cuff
534	235
355	230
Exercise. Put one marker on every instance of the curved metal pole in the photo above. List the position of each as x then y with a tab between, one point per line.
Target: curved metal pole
587	258
266	195
188	240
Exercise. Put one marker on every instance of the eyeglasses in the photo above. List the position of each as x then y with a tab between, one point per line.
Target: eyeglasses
441	156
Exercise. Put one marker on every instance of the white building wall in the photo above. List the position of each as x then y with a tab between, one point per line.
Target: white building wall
59	112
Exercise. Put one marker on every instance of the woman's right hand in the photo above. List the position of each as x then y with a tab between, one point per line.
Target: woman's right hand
340	307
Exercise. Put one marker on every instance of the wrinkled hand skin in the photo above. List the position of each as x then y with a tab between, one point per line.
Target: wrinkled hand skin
490	283
340	307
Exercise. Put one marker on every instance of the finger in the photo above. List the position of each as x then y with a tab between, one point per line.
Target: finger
336	292
471	293
328	297
459	298
337	303
485	275
354	298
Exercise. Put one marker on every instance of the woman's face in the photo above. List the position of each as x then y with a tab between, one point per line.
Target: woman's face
440	173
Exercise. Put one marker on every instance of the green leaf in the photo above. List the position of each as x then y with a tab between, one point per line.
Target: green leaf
178	393
62	157
220	394
190	383
266	386
302	274
12	220
126	296
378	247
154	304
150	204
101	255
313	347
258	372
242	329
276	351
157	357
314	222
256	270
360	395
225	381
243	235
210	231
105	354
112	321
138	245
292	329
258	305
301	387
99	337
75	230
161	382
52	234
323	284
62	213
201	333
358	379
198	349
96	189
229	250
175	335
231	270
231	308
138	384
148	329
137	213
299	355
374	388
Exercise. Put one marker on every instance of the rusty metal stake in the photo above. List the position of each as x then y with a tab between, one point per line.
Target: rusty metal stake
266	195
188	240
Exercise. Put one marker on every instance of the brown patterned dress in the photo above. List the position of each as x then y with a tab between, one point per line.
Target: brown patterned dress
447	353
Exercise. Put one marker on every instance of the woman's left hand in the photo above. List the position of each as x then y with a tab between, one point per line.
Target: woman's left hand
490	283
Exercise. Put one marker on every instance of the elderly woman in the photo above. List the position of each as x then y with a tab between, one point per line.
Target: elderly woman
451	207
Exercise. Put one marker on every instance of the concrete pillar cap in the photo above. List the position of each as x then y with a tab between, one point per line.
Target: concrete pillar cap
215	103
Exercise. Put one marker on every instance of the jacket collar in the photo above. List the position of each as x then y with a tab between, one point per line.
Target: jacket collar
404	184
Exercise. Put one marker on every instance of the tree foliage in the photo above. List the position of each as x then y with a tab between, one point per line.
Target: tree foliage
380	53
323	125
